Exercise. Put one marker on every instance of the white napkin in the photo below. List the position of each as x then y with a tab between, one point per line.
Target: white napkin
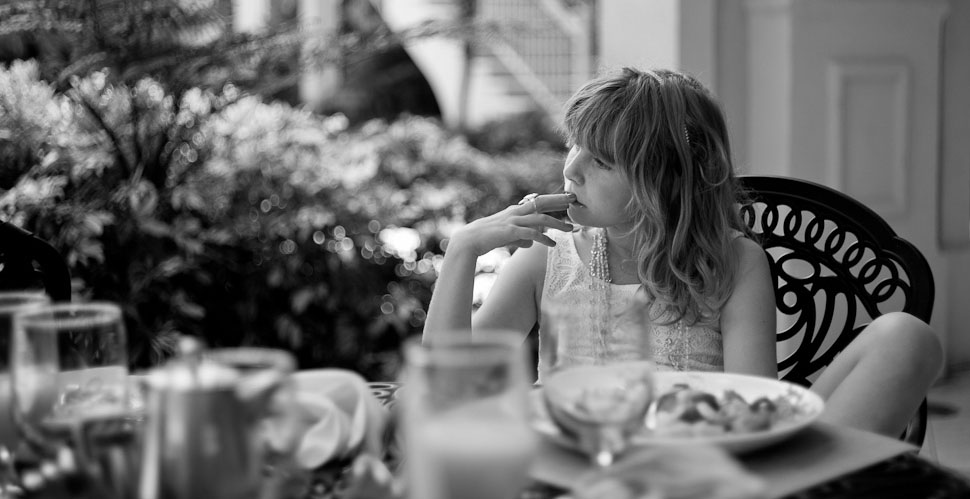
675	472
330	415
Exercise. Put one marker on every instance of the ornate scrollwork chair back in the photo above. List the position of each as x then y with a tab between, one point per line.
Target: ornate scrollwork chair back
27	262
837	266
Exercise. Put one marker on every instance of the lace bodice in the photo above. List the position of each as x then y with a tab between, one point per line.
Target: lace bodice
674	346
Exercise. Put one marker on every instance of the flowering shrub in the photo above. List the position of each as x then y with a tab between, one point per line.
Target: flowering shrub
245	222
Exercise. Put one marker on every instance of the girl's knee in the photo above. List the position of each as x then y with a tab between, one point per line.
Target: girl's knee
911	336
904	327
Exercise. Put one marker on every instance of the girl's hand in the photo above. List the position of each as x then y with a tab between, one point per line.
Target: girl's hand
518	226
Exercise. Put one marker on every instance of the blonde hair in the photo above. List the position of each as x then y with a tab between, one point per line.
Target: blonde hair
668	135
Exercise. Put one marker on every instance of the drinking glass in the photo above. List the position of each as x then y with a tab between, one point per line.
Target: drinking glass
596	371
11	302
466	417
69	368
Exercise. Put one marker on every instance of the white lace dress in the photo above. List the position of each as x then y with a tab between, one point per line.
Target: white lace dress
567	281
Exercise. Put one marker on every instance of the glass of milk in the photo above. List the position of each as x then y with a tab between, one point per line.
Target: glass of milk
466	417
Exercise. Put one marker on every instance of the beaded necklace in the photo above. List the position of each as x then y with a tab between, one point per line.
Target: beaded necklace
599	272
678	347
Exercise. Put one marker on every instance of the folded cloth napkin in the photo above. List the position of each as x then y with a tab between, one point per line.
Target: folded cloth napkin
675	472
326	415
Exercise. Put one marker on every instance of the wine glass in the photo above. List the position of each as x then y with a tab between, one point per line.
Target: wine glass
69	368
596	372
11	302
466	430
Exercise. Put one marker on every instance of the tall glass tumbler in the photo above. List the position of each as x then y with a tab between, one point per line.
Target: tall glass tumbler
11	302
466	417
69	368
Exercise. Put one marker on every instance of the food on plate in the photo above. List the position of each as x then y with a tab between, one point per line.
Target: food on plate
686	411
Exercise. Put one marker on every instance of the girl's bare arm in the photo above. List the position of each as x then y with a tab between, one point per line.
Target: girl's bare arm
513	301
748	317
517	226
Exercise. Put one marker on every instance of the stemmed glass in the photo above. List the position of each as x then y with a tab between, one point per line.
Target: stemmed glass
597	378
11	302
69	368
465	417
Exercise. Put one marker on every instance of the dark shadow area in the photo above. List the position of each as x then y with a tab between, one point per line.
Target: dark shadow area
942	409
385	85
379	82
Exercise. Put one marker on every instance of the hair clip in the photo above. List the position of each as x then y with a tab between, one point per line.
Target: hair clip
686	135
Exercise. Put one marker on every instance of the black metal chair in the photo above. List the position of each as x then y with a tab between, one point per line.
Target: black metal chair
837	265
27	262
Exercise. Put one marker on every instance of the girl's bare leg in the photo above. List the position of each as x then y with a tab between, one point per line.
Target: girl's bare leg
878	382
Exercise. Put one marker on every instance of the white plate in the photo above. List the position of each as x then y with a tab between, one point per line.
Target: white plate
810	407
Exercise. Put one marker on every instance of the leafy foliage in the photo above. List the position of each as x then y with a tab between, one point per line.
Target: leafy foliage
137	145
180	43
255	223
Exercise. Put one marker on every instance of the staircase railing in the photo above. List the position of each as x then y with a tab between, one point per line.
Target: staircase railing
546	45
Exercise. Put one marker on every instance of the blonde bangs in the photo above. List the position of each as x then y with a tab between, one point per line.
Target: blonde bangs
590	123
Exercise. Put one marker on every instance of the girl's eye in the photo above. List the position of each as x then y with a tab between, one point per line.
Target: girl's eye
601	164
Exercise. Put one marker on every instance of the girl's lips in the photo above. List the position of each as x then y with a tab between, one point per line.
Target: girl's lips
574	200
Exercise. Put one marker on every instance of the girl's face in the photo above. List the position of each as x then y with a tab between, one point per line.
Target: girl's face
602	191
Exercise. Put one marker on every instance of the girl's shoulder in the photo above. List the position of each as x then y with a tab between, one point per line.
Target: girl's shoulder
749	252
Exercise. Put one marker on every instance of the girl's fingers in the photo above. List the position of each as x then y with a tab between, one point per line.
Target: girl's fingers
517	226
523	208
522	244
555	223
537	235
544	222
546	240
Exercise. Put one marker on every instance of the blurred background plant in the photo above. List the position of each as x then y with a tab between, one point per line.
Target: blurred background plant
155	150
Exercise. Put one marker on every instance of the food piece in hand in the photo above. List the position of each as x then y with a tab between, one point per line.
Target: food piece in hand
546	203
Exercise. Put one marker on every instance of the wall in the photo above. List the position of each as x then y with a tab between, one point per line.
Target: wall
868	96
955	177
638	33
677	34
731	28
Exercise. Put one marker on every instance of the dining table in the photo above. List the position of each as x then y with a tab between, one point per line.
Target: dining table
822	462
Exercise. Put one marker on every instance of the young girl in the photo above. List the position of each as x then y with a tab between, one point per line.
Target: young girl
655	209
